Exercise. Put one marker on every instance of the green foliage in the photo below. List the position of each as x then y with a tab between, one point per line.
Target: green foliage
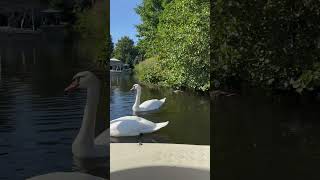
269	44
93	24
149	71
110	46
125	50
307	80
149	11
106	50
182	45
57	4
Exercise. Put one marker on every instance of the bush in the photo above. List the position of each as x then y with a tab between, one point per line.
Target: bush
92	23
271	44
182	46
149	71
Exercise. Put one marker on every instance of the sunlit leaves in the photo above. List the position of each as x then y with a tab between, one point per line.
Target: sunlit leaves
266	43
181	44
125	50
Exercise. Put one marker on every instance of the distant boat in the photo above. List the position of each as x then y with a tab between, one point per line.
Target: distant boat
118	66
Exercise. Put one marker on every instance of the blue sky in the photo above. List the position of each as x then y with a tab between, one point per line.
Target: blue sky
123	19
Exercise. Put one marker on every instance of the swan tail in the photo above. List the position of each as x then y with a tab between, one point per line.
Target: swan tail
160	125
163	100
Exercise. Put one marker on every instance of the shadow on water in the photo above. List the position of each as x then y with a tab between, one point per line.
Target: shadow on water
38	122
188	114
261	137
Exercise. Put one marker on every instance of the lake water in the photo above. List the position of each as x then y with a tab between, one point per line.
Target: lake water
38	122
188	114
266	137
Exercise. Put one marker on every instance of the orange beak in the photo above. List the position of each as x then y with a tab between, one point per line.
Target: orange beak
72	87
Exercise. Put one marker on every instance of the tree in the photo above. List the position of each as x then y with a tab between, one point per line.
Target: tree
149	11
110	46
125	50
93	24
181	46
183	43
271	44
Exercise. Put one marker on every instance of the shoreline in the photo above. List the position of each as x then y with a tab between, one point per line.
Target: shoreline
181	90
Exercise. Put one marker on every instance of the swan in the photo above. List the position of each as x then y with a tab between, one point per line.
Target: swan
133	126
85	145
148	105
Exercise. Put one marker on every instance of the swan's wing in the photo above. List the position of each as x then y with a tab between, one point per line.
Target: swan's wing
160	125
126	128
124	118
152	127
133	126
151	104
103	138
66	176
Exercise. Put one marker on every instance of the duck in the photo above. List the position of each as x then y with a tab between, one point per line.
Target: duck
133	126
149	105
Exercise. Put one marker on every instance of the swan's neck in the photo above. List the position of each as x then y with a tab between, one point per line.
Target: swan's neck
137	102
85	137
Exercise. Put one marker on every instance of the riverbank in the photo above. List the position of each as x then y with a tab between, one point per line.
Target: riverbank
186	112
176	90
275	95
159	161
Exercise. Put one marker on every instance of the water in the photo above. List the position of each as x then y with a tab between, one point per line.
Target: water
187	113
266	137
38	122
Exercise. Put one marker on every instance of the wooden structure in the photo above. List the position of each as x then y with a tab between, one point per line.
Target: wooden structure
27	15
21	14
118	66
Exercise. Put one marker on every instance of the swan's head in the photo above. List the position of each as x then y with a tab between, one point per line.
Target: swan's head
136	87
83	80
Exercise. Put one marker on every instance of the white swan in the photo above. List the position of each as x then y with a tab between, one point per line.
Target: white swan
85	145
148	105
133	126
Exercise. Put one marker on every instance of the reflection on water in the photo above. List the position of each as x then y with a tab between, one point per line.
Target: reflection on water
189	115
38	122
259	137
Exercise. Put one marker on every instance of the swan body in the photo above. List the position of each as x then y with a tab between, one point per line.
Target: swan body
148	105
85	144
133	126
66	176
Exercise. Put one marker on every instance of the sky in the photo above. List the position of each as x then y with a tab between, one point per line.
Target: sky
123	19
